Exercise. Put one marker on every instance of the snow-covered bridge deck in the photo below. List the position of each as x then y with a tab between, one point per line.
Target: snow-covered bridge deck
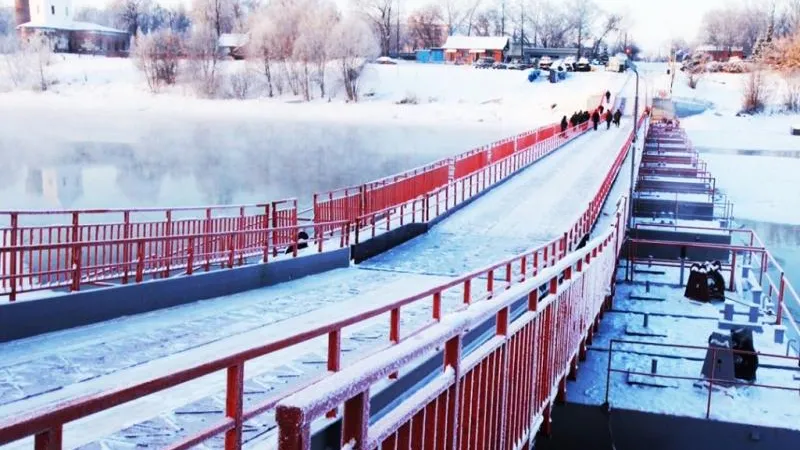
534	207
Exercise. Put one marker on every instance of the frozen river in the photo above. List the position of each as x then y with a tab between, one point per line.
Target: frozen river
84	160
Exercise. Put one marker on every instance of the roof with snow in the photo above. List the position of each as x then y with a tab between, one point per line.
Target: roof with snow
72	26
233	40
476	42
718	48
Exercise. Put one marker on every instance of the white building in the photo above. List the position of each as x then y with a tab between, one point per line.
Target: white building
55	19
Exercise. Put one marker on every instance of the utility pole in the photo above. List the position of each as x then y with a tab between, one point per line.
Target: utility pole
398	28
522	31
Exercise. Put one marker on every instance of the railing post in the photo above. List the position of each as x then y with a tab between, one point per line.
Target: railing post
780	298
167	243
139	260
437	306
467	292
49	440
334	358
190	256
452	359
13	256
733	272
265	227
77	253
126	246
233	406
355	423
490	283
240	228
207	240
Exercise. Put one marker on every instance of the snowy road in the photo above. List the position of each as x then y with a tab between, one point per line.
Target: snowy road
534	206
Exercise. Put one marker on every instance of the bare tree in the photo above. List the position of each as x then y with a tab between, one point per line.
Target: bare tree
611	23
216	16
318	22
455	14
426	26
583	13
157	55
351	44
204	58
755	92
264	45
131	15
380	15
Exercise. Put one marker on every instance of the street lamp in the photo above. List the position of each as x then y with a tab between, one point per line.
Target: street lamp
633	150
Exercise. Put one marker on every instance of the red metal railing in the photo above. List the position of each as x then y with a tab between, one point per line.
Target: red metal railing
750	251
498	395
525	273
37	257
47	425
384	197
699	353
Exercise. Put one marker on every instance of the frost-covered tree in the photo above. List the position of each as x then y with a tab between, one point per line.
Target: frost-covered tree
425	27
216	16
132	15
352	42
264	46
380	15
310	50
204	59
157	55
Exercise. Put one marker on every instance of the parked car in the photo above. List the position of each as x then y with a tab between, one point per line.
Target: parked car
514	66
545	62
499	65
483	63
569	63
583	65
385	60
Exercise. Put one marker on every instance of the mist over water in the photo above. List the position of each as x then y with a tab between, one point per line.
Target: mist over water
104	161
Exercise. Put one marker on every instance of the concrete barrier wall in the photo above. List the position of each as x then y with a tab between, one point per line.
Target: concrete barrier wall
388	240
627	429
23	319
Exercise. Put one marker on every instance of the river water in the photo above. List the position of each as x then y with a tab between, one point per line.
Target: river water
200	162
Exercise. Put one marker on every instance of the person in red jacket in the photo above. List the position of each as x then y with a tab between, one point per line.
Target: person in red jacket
609	118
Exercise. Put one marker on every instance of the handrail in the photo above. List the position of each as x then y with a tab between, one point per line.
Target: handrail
712	379
351	387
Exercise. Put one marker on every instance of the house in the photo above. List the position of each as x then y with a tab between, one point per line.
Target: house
468	49
54	20
233	45
721	53
532	53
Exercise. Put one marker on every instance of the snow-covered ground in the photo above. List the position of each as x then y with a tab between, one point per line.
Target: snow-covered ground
118	145
536	205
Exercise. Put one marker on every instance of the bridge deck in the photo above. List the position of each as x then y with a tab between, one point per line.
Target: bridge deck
533	207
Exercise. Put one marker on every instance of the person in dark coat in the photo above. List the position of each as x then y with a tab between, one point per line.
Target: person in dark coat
573	120
617	117
585	116
609	118
302	242
595	119
601	109
608	96
564	124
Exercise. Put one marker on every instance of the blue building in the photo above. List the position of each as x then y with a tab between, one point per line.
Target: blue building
432	56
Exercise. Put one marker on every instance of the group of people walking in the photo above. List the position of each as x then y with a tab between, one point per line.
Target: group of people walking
601	113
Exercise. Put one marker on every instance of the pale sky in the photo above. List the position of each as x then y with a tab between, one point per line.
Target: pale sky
654	22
